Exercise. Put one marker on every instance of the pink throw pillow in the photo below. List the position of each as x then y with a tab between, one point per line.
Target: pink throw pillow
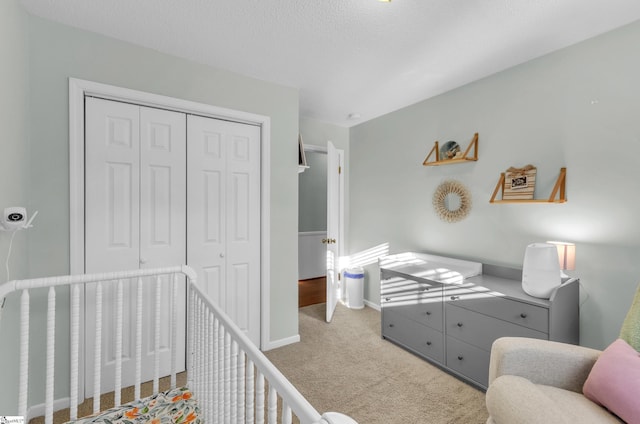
614	381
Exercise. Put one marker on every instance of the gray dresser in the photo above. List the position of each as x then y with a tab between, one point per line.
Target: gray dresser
450	311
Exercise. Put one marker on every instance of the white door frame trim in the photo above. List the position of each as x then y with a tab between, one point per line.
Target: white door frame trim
78	89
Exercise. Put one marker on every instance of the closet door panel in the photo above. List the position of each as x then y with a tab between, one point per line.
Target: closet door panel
163	183
206	232
239	207
239	287
112	167
213	208
135	206
163	222
223	200
212	277
243	227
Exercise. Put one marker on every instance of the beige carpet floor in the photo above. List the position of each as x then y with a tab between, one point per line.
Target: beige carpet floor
345	366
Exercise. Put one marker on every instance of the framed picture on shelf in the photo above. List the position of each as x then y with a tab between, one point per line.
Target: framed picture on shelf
519	183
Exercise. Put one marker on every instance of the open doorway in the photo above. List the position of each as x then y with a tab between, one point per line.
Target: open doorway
312	228
329	250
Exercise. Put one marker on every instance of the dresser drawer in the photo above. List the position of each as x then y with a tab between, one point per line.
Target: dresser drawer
424	311
415	336
481	330
468	360
521	313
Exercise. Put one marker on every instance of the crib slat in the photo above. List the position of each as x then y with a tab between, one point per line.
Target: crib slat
138	371
197	377
233	386
212	364
208	331
273	405
174	329
210	334
24	354
97	363
221	367
208	362
156	343
201	342
227	377
233	374
51	341
260	398
250	392
75	350
241	385
191	295
217	379
286	413
119	320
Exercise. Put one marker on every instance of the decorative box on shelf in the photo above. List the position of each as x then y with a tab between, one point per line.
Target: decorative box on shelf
519	183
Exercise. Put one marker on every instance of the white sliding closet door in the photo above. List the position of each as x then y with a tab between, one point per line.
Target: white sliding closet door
135	203
223	197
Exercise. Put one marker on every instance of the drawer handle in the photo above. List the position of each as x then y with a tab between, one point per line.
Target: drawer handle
459	324
455	297
460	357
523	315
428	343
425	289
387	299
428	312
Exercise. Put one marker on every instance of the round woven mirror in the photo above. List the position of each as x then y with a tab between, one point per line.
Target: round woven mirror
452	201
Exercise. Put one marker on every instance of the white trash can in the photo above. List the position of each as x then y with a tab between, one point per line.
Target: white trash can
354	280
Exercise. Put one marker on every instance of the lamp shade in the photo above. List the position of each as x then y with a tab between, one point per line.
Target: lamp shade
566	254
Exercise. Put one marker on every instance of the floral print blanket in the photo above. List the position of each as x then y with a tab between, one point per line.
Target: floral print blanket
176	406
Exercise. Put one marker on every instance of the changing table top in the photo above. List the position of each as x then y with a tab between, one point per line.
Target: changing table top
432	267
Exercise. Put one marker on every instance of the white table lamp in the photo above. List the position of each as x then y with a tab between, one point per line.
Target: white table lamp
566	256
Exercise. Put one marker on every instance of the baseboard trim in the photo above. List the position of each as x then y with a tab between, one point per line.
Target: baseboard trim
372	305
40	409
282	342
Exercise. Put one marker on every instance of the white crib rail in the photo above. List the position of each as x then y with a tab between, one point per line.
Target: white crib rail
231	379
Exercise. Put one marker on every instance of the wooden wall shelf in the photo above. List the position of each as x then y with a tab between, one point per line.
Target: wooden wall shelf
558	191
435	151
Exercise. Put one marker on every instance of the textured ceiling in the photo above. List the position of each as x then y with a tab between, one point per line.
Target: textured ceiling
347	57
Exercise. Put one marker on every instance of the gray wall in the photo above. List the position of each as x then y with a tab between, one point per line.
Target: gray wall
44	55
312	194
14	172
577	108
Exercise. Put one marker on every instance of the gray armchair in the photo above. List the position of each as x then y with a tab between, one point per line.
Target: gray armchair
535	381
